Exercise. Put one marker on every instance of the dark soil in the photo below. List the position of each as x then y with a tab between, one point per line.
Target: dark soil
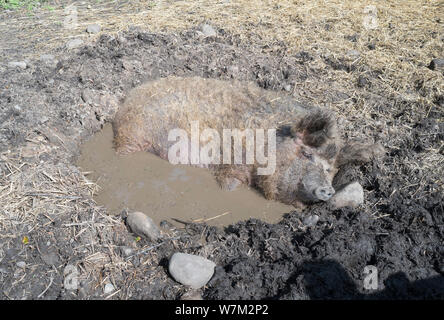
399	229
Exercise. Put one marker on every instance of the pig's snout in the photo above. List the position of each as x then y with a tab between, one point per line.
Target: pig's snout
324	193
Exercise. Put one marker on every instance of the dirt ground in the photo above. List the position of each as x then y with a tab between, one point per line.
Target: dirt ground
377	81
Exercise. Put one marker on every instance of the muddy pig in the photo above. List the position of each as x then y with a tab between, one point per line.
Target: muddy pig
308	148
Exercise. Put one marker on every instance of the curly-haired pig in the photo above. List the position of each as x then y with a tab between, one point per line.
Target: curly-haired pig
308	149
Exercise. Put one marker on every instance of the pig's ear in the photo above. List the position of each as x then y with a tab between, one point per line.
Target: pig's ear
357	152
316	128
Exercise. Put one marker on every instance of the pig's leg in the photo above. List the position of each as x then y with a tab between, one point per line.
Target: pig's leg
357	152
230	183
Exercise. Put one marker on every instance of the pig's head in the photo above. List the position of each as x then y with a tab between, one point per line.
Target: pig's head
309	155
304	173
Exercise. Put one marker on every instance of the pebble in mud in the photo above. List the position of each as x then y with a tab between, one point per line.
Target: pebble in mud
71	281
126	251
48	59
208	31
18	64
311	220
191	270
351	195
74	43
109	288
143	225
93	28
437	64
353	54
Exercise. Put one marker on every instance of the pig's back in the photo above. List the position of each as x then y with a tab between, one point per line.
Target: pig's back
156	107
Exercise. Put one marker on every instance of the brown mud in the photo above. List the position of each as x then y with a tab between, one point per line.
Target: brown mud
144	182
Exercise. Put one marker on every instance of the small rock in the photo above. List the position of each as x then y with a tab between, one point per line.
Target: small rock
74	43
18	64
311	221
48	59
143	225
17	110
21	264
71	281
362	81
353	37
353	54
350	196
208	31
437	64
233	69
93	28
43	119
191	270
109	288
287	88
167	225
126	251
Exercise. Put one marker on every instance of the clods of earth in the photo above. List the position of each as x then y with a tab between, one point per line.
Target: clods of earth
56	242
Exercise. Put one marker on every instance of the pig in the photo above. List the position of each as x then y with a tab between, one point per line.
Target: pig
309	149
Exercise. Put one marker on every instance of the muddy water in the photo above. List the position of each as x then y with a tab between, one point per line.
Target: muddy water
144	182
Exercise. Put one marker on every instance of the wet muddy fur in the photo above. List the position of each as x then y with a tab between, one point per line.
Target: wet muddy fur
307	154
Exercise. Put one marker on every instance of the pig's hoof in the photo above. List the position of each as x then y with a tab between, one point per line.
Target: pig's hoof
324	193
230	184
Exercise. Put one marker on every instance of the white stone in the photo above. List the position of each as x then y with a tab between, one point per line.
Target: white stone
109	288
191	270
353	54
93	28
74	43
208	31
143	225
48	59
126	251
71	281
311	220
18	64
350	196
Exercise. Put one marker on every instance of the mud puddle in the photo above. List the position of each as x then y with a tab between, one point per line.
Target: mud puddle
144	182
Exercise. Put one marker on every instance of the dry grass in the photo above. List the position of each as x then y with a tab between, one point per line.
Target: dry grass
408	33
53	202
30	190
